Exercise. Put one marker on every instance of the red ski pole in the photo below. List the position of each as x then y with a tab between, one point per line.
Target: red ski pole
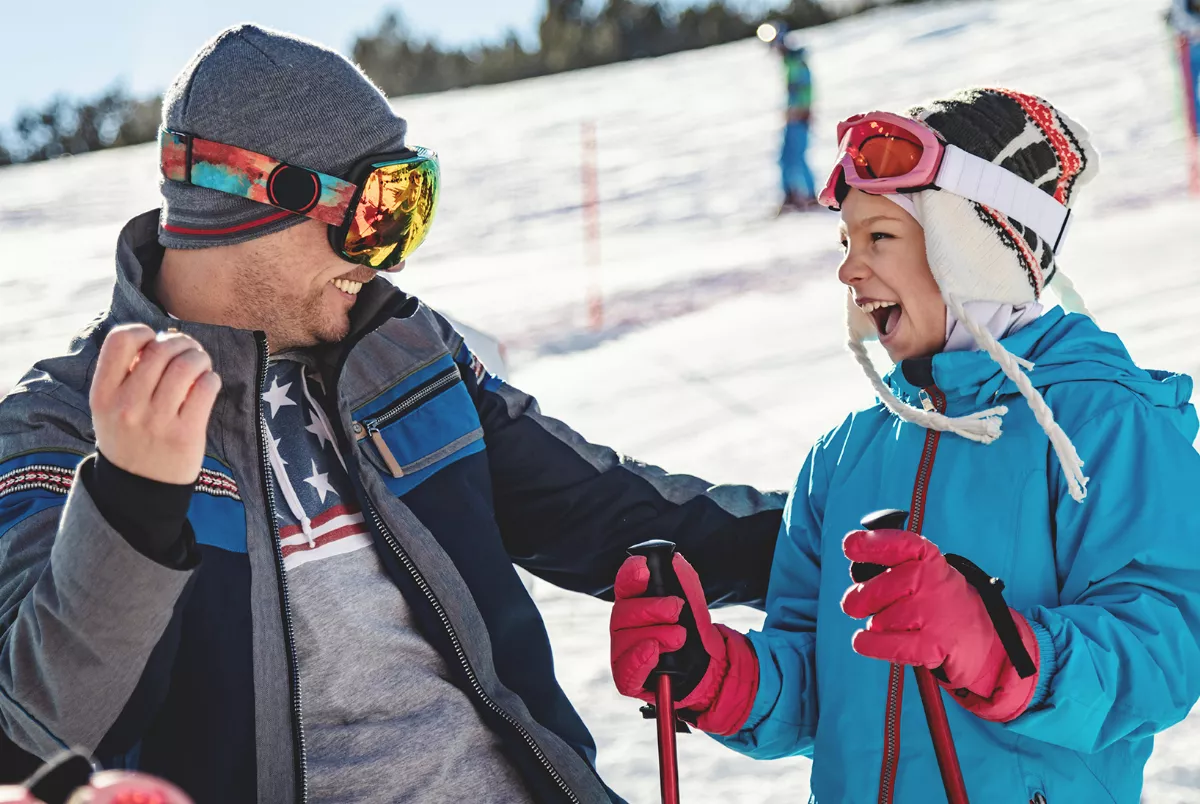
943	741
931	691
668	758
678	671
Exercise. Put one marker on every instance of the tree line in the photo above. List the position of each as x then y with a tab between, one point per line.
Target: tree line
570	37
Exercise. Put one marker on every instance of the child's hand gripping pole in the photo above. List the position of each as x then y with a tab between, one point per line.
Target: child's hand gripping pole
931	695
673	669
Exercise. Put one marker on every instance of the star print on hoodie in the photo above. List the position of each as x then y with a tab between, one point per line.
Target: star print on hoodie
318	516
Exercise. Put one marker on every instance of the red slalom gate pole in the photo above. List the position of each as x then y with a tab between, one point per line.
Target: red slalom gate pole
591	223
943	742
1194	158
1190	110
668	757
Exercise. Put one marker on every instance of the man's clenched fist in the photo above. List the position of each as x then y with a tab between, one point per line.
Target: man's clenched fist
151	398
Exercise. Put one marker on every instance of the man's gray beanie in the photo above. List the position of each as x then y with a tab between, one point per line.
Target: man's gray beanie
274	94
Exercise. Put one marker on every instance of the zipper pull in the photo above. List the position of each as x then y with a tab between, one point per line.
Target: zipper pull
927	402
385	452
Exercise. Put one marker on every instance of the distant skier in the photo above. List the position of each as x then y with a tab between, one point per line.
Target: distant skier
1184	17
799	190
1059	678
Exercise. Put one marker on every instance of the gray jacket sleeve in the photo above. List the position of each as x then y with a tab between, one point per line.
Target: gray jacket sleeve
80	609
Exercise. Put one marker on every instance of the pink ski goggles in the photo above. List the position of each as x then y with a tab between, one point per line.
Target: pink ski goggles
881	152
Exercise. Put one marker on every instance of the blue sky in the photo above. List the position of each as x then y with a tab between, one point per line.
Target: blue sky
85	46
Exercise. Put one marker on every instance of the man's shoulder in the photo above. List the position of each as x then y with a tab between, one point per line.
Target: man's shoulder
439	324
422	330
48	408
473	348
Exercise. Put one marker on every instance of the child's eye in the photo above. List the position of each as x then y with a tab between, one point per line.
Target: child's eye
845	245
877	236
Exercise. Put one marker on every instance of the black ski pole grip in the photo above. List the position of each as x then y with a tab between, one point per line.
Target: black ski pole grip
688	664
862	571
887	519
658	554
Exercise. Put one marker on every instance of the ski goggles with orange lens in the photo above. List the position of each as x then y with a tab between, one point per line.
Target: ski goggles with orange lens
883	153
378	215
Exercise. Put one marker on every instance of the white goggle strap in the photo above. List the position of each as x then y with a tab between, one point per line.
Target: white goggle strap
982	181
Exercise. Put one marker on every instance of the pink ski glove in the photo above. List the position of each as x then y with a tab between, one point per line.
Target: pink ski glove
924	612
644	628
123	787
108	787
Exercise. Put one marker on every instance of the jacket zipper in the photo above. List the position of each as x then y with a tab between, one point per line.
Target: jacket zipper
932	398
289	631
460	653
423	392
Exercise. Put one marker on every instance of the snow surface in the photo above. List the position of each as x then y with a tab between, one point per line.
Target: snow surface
722	352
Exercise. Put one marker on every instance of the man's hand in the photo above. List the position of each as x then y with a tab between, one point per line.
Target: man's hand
151	398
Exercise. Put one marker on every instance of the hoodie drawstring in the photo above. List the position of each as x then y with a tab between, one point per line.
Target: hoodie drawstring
289	492
319	413
1072	464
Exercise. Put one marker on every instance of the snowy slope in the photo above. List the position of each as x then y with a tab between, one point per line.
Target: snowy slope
722	356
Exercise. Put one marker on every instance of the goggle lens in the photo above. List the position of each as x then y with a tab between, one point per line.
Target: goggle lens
882	151
394	212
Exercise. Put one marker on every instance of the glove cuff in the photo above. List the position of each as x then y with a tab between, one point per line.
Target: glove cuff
731	706
1012	694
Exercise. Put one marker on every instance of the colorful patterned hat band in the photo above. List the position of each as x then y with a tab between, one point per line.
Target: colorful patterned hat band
254	176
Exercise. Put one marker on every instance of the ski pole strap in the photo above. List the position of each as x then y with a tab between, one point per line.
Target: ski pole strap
992	591
683	717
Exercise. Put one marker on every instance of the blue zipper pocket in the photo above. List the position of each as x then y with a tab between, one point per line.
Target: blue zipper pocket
370	428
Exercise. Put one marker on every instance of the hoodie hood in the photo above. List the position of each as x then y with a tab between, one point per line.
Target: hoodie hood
1064	347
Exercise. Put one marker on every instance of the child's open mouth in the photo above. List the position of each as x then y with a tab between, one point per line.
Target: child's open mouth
885	314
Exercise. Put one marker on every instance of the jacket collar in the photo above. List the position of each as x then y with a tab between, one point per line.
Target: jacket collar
969	378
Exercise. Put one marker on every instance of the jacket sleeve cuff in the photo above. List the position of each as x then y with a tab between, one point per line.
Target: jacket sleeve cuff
93	558
770	682
1047	663
150	515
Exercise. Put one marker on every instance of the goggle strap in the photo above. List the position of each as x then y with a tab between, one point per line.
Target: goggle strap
987	183
250	175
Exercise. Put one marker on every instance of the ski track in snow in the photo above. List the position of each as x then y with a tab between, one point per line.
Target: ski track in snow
723	352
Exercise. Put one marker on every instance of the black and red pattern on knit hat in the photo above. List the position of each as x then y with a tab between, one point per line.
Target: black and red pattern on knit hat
975	252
